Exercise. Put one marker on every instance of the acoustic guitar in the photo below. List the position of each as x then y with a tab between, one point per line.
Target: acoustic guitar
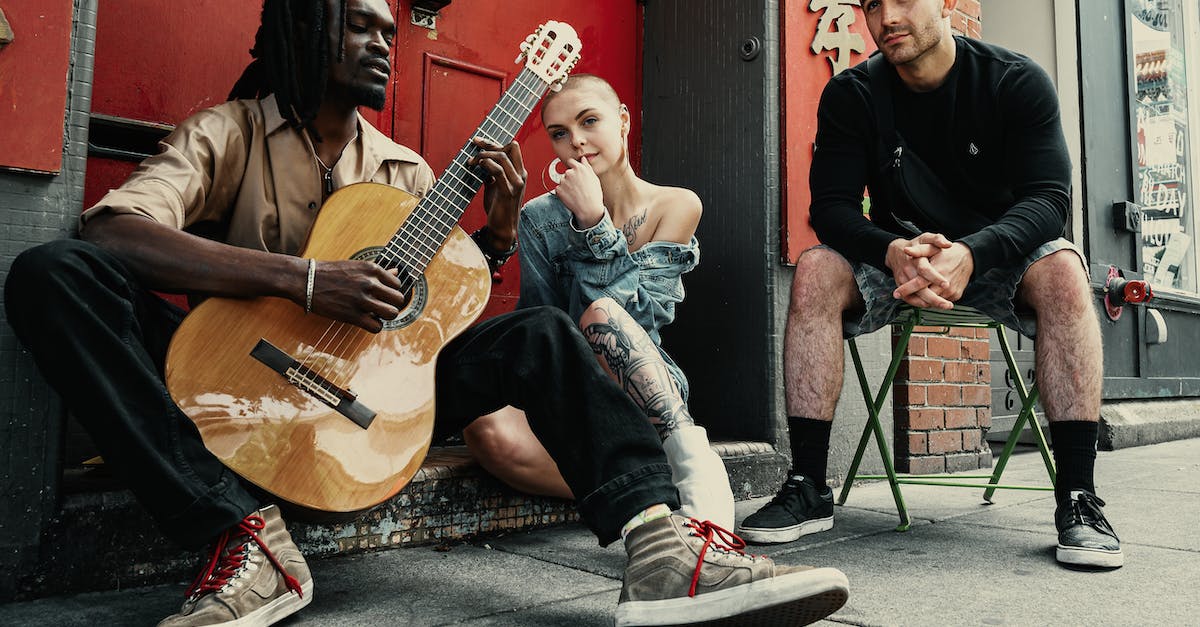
326	415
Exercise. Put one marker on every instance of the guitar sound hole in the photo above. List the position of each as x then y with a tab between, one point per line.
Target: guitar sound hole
418	289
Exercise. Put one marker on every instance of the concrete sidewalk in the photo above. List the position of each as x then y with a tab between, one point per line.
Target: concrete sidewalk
963	563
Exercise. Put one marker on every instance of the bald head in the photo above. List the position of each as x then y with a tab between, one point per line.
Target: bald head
591	82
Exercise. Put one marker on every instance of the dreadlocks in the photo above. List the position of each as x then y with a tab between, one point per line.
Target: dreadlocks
291	57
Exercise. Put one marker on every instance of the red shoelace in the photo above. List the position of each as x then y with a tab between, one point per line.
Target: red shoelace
225	564
712	534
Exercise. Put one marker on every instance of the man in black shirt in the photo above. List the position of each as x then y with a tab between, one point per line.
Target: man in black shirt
986	123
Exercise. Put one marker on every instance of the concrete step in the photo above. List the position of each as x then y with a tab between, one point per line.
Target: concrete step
102	539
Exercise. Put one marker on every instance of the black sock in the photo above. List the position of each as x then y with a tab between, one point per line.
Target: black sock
810	447
1074	443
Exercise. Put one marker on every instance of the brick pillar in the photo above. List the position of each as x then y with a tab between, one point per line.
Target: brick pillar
968	19
942	401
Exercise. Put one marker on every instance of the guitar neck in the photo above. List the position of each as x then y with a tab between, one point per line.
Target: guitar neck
427	228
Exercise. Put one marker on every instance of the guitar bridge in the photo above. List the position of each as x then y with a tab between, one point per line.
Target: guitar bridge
341	400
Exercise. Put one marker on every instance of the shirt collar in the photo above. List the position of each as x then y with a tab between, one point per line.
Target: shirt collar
271	118
379	147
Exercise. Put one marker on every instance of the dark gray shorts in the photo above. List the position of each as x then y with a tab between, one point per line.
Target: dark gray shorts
994	293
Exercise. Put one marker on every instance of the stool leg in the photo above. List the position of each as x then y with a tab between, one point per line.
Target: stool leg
873	425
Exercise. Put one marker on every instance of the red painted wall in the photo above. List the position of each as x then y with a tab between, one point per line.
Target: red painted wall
805	72
161	62
33	85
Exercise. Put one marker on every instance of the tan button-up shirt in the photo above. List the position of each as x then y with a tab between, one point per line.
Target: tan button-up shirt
240	168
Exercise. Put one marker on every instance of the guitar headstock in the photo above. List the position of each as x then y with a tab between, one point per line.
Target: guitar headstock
551	52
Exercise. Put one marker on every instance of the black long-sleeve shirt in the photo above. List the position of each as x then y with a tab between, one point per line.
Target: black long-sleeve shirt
992	133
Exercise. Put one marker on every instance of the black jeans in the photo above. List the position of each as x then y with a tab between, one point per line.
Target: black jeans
100	339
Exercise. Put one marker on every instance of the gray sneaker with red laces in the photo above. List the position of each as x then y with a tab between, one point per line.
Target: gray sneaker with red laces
687	572
255	577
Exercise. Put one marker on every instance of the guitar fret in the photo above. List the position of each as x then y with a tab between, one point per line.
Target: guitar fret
527	89
460	196
478	181
501	109
485	136
445	214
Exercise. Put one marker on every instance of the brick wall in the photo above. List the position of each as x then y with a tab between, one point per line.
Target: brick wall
942	399
968	19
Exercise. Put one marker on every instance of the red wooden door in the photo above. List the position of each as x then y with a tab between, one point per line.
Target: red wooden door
158	62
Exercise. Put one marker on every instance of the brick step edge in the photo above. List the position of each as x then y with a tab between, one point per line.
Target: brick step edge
105	540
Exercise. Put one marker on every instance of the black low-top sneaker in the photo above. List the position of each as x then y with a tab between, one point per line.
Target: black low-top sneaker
800	508
1085	538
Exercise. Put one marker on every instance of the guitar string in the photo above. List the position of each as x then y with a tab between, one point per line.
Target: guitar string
428	239
418	251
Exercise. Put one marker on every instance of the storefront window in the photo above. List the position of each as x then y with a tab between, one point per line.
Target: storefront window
1164	165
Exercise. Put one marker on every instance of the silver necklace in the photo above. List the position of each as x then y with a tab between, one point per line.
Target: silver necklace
328	177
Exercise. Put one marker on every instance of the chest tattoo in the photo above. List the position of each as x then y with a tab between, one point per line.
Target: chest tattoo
631	226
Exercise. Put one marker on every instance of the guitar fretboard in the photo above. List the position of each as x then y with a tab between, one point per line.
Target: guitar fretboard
429	224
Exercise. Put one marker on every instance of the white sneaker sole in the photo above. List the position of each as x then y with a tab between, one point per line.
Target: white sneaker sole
794	599
1080	556
759	535
276	610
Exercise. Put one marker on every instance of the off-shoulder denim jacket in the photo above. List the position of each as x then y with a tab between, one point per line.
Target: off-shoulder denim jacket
570	268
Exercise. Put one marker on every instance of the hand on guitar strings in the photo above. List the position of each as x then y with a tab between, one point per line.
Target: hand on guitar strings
361	293
503	190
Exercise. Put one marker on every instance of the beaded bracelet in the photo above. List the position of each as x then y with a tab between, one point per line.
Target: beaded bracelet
495	258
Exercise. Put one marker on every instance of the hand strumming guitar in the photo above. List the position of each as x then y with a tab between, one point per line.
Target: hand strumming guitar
361	293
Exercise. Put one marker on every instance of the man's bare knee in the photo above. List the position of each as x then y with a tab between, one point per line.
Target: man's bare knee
1056	281
823	280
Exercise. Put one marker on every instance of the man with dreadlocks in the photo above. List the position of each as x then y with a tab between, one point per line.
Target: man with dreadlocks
251	174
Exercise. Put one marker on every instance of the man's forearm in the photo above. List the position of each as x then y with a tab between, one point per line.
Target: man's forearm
174	261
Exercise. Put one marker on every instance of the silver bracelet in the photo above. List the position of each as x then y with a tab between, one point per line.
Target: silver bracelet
308	290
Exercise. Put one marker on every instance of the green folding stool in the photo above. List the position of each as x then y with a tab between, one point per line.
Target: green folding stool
908	318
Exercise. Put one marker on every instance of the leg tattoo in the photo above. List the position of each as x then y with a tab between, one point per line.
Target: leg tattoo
633	359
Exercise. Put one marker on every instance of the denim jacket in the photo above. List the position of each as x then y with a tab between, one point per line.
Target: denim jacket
564	267
570	269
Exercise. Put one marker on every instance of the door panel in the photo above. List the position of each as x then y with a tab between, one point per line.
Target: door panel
447	120
1108	174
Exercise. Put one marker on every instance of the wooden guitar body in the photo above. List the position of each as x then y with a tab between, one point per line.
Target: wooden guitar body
269	426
